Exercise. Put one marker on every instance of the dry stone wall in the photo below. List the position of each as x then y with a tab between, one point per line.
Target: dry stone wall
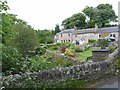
86	71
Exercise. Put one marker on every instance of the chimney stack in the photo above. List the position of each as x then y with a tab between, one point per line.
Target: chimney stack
75	27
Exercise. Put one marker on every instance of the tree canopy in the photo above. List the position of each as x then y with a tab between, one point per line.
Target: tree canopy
57	28
77	20
101	15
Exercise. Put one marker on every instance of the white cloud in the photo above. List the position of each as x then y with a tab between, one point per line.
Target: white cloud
44	14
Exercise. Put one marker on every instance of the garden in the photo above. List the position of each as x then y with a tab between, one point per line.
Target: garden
58	55
26	50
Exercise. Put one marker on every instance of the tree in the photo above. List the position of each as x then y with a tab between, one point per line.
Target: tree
89	11
26	38
90	14
106	14
102	15
45	36
7	21
57	29
11	58
77	20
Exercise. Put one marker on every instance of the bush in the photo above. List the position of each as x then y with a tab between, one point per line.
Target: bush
112	48
117	63
45	84
40	63
78	49
87	47
63	49
58	44
103	43
11	61
70	52
52	46
92	41
67	44
73	46
63	63
40	51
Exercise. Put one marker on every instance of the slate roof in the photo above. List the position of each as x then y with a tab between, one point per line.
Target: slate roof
108	29
91	30
67	31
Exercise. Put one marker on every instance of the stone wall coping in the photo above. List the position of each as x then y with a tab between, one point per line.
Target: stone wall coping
101	50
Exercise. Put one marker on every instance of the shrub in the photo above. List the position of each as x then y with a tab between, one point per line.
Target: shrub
52	46
58	44
40	51
78	49
63	63
45	84
103	43
87	47
11	61
70	52
73	46
63	49
92	41
55	47
40	63
112	48
67	44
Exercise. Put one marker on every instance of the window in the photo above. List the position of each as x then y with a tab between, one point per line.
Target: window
69	34
110	35
69	40
99	36
61	35
113	35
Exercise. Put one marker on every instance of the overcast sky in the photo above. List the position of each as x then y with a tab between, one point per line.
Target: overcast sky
45	14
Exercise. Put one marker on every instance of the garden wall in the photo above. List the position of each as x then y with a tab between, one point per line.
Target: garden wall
86	71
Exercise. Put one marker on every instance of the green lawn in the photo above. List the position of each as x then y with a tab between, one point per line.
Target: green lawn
83	55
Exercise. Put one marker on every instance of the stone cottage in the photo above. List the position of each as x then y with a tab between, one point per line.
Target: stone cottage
84	35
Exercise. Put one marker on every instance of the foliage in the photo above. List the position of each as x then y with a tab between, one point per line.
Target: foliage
25	39
11	57
53	46
11	61
45	36
67	44
8	22
83	55
3	6
102	15
40	51
112	48
58	44
92	41
63	49
40	63
52	84
73	46
87	47
103	43
45	62
78	49
70	52
77	20
117	66
57	29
